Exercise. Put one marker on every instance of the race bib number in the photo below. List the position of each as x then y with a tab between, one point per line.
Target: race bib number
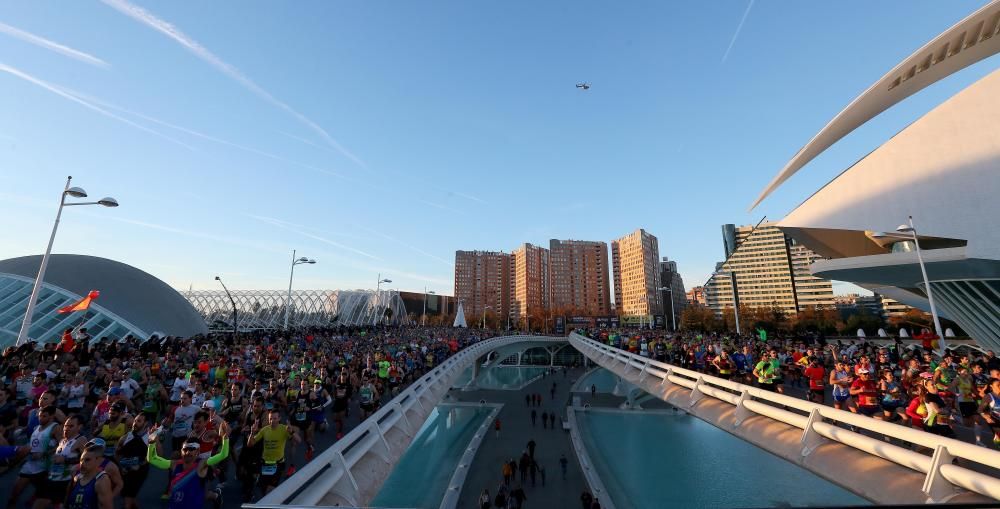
268	469
300	416
56	471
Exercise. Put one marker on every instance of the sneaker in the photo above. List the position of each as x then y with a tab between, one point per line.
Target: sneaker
218	497
340	435
309	453
290	471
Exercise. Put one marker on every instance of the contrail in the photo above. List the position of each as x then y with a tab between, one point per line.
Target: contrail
283	225
86	104
738	29
198	134
143	16
42	42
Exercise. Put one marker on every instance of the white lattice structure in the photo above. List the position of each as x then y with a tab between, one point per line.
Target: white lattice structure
265	309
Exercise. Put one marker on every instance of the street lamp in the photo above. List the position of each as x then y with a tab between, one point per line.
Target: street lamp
908	228
288	300
736	305
231	301
423	316
673	318
484	315
378	297
74	192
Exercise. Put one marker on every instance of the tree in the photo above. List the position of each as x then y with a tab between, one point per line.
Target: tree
863	320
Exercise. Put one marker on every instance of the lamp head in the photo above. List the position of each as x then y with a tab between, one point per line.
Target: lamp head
904	228
108	201
217	278
76	192
310	261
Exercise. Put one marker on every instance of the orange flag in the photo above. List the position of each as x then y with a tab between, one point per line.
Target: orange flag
82	304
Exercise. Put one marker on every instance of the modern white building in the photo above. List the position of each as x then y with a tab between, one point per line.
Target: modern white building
943	170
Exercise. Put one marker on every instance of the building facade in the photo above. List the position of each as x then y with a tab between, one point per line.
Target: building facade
579	277
769	270
696	296
674	299
482	282
635	261
529	293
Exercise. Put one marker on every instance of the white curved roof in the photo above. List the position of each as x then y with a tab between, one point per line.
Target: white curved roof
967	42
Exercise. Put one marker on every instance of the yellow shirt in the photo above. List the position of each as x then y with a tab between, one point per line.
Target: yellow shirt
274	442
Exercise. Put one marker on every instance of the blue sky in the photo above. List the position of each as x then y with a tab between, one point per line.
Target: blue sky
379	137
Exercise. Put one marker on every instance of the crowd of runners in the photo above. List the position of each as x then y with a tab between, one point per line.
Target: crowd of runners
913	384
88	421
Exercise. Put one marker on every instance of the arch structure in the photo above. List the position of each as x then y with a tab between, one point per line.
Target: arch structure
265	309
941	170
131	303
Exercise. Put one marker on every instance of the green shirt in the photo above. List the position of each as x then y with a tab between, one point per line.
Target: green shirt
766	371
383	369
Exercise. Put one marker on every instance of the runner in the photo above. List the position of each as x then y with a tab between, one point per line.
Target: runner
66	458
91	488
130	454
841	380
817	380
35	470
865	392
368	396
274	436
187	475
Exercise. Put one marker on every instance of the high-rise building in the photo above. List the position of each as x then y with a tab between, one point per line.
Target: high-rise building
529	291
674	299
696	296
482	280
892	307
771	270
635	259
578	271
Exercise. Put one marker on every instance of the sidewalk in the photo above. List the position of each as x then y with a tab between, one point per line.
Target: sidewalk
516	431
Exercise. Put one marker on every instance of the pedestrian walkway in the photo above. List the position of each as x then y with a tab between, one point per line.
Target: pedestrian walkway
516	431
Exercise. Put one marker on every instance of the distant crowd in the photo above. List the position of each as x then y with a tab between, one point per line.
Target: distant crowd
915	385
85	420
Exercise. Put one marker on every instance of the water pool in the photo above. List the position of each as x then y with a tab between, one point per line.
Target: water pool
654	460
440	444
602	378
508	377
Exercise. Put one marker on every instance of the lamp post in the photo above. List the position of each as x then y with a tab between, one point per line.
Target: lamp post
231	301
908	228
74	192
673	318
736	304
288	300
423	316
484	315
378	297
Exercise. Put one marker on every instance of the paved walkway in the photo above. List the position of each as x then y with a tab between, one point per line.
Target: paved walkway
516	431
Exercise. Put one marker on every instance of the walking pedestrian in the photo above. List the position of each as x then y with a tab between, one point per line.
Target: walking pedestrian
518	496
552	392
507	474
545	419
523	465
534	415
563	463
484	499
496	426
586	499
593	390
531	448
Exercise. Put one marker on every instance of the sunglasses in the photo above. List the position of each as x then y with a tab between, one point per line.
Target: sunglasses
190	447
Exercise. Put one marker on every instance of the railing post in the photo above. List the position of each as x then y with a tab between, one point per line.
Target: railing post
810	438
936	487
644	372
742	412
666	378
696	392
407	428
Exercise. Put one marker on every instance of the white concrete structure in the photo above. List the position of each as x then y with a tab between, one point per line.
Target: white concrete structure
942	170
808	434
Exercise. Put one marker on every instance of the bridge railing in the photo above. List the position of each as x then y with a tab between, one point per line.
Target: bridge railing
331	470
941	474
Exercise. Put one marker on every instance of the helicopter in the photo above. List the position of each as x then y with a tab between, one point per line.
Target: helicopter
584	86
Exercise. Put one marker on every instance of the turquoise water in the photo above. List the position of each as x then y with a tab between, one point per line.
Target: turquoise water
602	378
464	378
653	460
508	378
432	458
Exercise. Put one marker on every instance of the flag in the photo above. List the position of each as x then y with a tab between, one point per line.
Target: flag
81	305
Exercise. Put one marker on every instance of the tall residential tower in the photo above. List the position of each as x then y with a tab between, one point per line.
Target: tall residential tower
635	259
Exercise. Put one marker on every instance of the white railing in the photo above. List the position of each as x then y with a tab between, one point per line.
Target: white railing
330	472
941	475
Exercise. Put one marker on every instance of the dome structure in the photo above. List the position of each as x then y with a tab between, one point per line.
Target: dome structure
131	302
